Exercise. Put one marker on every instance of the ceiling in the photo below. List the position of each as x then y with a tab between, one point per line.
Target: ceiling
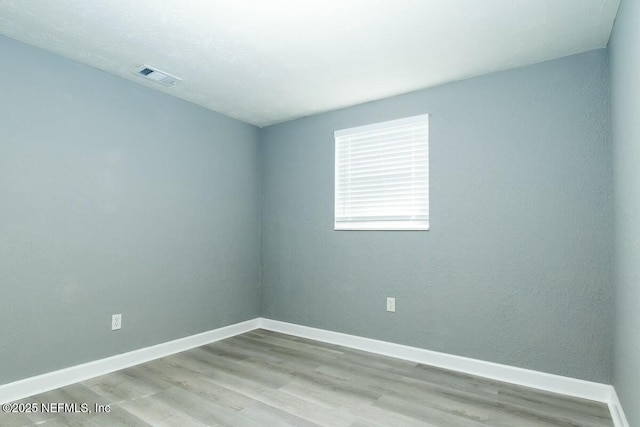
268	61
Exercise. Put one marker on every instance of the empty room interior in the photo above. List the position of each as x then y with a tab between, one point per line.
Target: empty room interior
338	213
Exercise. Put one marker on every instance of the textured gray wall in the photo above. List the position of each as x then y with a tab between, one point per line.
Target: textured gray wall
116	199
625	132
517	266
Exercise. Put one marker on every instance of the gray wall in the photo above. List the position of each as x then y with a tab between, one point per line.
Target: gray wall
517	266
116	199
625	130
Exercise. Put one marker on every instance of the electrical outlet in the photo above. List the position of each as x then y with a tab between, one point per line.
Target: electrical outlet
116	322
391	304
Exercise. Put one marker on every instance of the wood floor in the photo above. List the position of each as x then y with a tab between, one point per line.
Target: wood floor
264	378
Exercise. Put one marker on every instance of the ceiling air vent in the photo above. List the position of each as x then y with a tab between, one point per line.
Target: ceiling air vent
157	76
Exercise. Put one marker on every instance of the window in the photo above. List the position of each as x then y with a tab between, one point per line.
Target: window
382	176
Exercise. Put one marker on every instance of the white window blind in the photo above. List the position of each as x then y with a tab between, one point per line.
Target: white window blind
382	176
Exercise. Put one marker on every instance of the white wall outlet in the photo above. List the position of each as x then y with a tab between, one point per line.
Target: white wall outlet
391	304
116	322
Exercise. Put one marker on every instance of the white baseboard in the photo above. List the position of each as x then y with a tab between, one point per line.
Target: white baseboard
554	383
539	380
39	384
615	407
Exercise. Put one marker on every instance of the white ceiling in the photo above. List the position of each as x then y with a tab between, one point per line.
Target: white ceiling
268	61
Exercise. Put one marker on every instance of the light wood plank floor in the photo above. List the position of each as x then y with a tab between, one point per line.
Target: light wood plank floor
264	378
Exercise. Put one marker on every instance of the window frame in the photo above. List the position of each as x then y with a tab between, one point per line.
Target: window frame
387	224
